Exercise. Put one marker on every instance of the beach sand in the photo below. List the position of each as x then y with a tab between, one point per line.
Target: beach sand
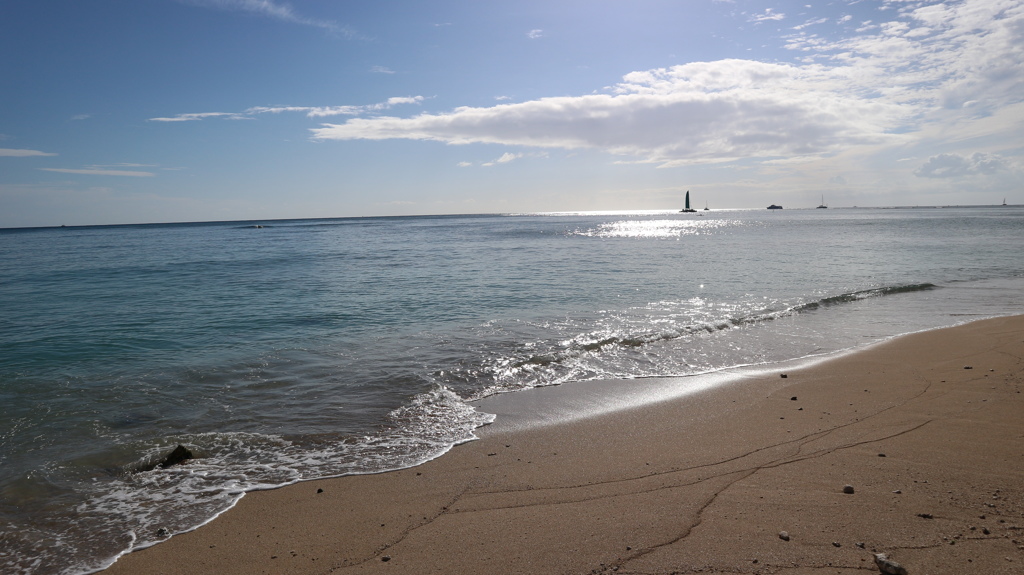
927	429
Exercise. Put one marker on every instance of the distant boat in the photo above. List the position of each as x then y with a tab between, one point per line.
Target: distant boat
687	209
774	207
822	206
1004	201
706	205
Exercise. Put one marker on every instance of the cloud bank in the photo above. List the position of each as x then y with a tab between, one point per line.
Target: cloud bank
879	87
955	165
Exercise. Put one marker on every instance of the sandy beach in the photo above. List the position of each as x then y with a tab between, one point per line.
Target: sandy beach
913	448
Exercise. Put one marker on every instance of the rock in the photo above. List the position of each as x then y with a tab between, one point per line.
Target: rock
836	544
783	376
163	532
848	489
968	367
793	398
319	490
926	516
886	565
180	455
784	535
386	558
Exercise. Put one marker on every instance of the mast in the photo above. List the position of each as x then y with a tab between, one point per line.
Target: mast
687	199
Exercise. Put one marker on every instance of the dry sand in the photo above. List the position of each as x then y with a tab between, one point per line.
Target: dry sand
928	429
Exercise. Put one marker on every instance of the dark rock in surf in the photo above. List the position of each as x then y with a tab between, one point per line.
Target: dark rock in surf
180	455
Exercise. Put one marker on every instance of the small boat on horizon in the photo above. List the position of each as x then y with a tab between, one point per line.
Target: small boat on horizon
822	206
687	209
774	207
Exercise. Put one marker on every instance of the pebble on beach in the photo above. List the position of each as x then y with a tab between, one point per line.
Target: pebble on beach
848	489
886	565
784	535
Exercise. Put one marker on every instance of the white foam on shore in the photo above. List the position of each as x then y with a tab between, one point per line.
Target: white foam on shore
572	401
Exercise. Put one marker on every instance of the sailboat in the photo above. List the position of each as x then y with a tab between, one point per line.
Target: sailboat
1004	201
687	209
822	206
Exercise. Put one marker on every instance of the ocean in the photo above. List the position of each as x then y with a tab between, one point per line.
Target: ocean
283	351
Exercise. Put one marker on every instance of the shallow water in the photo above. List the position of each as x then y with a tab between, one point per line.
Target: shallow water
312	348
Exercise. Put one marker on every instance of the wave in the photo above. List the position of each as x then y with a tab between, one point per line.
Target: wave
864	294
525	370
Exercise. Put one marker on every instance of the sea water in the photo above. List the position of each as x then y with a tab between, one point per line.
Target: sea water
282	351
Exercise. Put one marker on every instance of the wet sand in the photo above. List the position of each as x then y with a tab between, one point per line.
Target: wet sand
927	430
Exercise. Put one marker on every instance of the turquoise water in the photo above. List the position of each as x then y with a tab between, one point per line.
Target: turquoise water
280	351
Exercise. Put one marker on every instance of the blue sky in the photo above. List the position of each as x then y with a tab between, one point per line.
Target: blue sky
130	111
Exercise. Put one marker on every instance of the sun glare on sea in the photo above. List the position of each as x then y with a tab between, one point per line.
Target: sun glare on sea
655	228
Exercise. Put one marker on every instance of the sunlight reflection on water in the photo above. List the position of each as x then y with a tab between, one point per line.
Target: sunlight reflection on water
656	228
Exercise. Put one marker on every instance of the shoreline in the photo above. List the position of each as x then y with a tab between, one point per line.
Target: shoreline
700	483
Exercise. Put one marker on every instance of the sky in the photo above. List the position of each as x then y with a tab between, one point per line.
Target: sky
139	111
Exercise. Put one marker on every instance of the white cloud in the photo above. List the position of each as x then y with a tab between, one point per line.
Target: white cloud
704	111
504	159
768	16
533	34
381	70
15	153
200	116
269	8
943	54
810	23
890	85
99	171
309	111
955	165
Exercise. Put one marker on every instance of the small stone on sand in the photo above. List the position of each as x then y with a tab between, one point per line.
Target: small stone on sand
784	535
848	489
886	565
